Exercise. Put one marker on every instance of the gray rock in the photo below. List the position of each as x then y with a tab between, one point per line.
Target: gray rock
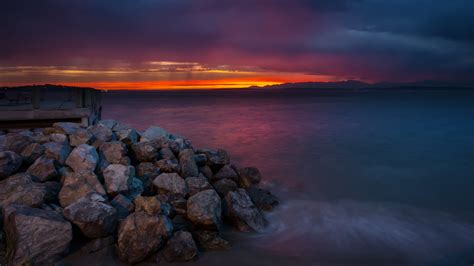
20	189
242	212
66	127
98	244
179	206
249	176
57	151
215	157
57	137
150	205
226	172
141	235
135	188
144	151
10	162
92	216
204	208
154	133
167	153
82	136
183	143
101	133
171	184
116	178
83	158
223	186
211	240
146	172
206	171
35	236
109	123
115	152
188	164
128	136
168	166
43	169
263	199
123	206
78	185
200	159
180	247
16	142
196	184
32	152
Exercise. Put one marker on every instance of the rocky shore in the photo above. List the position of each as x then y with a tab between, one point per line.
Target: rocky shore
150	194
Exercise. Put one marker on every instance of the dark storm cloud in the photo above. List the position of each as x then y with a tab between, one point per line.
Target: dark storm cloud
370	39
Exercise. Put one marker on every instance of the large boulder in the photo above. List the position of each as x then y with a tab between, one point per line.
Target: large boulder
140	235
223	186
43	169
242	212
146	172
10	162
82	136
144	151
127	136
171	184
101	133
204	208
196	184
226	172
154	133
110	123
16	142
58	137
83	158
123	205
78	185
168	166
94	217
35	236
20	189
188	164
210	240
263	199
150	205
66	127
57	151
180	247
117	178
167	153
206	171
218	157
114	152
249	176
32	152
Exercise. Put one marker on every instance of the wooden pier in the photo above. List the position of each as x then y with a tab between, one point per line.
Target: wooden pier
42	105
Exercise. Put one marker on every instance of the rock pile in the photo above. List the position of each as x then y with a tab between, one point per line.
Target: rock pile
145	192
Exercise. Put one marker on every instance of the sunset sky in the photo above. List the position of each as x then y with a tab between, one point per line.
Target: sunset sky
185	44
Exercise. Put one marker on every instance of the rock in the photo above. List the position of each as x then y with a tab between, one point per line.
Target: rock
97	244
123	206
210	240
43	169
150	205
206	171
115	152
20	189
116	178
92	215
82	136
226	172
144	151
168	166
200	159
188	164
180	247
204	208
52	191
140	235
196	184
78	185
223	186
83	158
167	153
128	136
179	206
183	143
249	176
242	212
10	162
154	133
51	130
57	137
16	142
66	127
101	133
215	157
135	188
171	184
263	199
32	152
109	123
147	171
57	151
35	236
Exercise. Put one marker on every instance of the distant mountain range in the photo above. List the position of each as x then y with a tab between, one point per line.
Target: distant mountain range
356	84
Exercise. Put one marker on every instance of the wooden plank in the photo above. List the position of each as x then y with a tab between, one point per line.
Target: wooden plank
44	114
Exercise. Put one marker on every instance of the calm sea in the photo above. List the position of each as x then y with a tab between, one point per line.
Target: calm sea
364	177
